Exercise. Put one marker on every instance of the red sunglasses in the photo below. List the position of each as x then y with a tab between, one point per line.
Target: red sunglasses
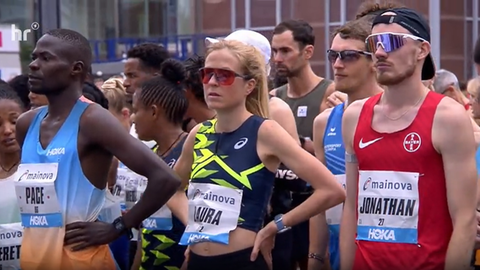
222	76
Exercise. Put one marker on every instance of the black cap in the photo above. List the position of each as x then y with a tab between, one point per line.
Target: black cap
417	25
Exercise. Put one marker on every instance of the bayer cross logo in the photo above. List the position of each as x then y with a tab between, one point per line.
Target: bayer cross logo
412	142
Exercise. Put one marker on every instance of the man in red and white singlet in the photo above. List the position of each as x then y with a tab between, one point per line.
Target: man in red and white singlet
410	153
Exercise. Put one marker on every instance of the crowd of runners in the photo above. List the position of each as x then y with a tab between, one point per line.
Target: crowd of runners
243	158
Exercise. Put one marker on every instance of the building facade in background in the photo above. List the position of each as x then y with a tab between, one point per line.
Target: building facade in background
113	26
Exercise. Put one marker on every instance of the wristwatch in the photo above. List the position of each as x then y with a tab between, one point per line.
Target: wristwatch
119	225
279	222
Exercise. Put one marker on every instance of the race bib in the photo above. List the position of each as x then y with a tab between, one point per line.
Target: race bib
213	212
334	214
160	220
123	176
10	242
36	195
388	204
135	185
111	209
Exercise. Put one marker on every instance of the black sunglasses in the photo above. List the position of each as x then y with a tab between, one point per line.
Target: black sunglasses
346	55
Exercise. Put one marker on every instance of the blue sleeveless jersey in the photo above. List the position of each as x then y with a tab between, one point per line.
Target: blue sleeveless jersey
333	143
78	198
335	160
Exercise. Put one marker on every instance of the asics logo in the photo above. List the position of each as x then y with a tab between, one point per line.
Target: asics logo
241	143
362	144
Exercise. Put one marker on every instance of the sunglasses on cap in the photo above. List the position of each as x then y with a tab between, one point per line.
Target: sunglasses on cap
222	76
346	56
388	41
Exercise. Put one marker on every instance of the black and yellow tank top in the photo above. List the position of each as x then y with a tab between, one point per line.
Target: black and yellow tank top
230	160
160	249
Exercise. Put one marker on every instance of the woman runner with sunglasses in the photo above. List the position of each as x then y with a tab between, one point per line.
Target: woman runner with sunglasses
233	164
410	153
280	112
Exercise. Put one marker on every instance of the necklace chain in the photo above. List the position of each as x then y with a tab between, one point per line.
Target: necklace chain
405	112
173	144
13	166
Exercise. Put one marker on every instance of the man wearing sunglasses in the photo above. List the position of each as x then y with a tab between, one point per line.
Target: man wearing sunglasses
410	161
354	75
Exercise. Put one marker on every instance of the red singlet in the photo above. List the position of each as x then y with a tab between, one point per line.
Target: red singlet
403	220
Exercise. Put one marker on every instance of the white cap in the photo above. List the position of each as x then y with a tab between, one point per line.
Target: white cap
251	38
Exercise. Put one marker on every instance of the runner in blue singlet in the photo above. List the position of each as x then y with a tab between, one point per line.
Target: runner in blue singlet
71	143
355	76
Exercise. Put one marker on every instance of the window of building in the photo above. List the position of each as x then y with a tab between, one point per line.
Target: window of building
21	14
472	11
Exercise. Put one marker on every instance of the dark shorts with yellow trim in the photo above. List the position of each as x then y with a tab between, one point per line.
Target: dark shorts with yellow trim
160	249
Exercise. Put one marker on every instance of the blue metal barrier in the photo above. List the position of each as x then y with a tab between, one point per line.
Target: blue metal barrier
180	46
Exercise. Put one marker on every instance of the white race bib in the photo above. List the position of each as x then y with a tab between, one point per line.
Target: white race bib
111	209
10	242
36	194
134	187
123	176
302	111
160	220
334	214
388	204
213	212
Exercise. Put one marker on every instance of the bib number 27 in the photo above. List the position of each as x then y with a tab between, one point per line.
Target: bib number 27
381	221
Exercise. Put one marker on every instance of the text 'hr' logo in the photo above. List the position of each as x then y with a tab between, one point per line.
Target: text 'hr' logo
22	35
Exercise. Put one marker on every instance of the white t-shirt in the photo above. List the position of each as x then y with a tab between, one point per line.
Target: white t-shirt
9	211
150	144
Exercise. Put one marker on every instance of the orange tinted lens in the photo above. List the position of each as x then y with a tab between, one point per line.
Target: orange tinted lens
222	76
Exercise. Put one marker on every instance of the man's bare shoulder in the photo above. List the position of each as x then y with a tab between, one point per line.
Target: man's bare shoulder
23	122
451	114
322	118
276	103
353	110
320	123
